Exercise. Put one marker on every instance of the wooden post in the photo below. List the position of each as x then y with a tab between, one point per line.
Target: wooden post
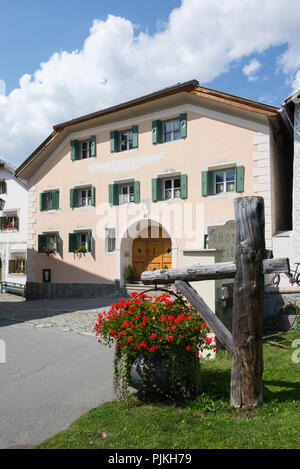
248	301
206	313
199	272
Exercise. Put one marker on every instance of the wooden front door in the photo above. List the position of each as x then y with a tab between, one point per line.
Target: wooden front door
151	254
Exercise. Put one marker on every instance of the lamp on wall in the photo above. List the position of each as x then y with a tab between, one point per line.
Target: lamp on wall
47	275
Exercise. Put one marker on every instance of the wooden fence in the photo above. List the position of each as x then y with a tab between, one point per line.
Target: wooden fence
251	263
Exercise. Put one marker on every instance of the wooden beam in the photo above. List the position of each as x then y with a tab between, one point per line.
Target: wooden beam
248	304
206	314
221	270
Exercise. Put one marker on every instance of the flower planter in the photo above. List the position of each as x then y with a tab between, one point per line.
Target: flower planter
158	343
156	375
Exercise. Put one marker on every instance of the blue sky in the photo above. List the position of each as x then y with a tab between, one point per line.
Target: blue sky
32	30
60	59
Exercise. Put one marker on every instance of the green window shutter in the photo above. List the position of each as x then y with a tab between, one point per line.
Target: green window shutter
89	235
57	242
93	191
239	178
42	242
137	192
74	148
3	223
17	223
73	242
93	145
73	198
207	183
157	131
183	125
113	193
183	186
156	189
43	201
55	200
135	136
114	141
11	267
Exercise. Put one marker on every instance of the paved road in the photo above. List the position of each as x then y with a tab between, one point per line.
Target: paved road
50	378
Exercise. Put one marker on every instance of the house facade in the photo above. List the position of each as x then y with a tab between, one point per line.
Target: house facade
286	242
144	184
13	229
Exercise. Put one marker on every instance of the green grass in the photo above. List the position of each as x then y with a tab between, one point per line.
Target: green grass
207	422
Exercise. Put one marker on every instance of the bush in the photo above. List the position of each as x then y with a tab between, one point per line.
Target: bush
162	338
128	274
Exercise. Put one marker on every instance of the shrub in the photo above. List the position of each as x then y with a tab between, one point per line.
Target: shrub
128	274
161	337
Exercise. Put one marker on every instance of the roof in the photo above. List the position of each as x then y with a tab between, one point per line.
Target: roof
8	166
287	111
191	87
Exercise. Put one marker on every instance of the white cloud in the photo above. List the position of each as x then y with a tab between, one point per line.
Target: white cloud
202	39
251	69
296	82
2	87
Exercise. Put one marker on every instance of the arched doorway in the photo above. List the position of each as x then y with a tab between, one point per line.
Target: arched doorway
151	252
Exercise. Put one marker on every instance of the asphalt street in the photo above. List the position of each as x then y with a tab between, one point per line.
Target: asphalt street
50	378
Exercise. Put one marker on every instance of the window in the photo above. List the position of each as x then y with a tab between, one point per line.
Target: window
171	130
126	140
126	193
83	240
48	243
171	188
9	223
82	197
17	266
80	241
85	197
2	187
52	241
110	239
83	149
49	200
224	181
2	204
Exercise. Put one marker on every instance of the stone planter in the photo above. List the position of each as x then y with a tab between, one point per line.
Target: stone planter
172	376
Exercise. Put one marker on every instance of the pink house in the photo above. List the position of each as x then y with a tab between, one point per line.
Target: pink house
142	184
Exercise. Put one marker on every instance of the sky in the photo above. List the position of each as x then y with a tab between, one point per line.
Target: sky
61	59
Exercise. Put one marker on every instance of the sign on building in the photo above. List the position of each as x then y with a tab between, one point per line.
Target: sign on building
223	239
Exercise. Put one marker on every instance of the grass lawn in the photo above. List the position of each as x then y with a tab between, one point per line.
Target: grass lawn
207	422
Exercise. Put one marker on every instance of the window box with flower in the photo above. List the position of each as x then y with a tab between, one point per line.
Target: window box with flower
82	250
50	251
158	345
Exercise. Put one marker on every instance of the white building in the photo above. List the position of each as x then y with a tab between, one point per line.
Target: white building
13	226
